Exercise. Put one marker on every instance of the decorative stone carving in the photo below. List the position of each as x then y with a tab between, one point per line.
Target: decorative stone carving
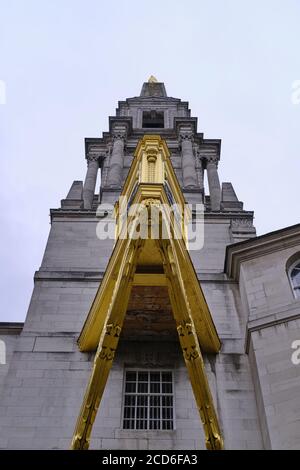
151	158
151	202
118	136
186	136
92	158
212	159
241	223
110	342
150	358
187	341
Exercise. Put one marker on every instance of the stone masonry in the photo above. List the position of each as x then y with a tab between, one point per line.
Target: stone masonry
255	385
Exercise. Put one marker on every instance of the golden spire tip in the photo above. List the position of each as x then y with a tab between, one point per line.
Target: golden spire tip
152	79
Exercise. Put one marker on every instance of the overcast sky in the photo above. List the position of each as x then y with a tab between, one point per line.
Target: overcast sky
66	63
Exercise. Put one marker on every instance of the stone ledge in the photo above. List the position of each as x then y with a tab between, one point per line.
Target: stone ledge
256	247
78	275
275	318
11	328
54	344
96	276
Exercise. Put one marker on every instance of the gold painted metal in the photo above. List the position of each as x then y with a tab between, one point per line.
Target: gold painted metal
107	346
145	185
152	79
190	347
149	280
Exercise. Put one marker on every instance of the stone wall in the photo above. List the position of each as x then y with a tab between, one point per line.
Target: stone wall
274	323
47	379
47	376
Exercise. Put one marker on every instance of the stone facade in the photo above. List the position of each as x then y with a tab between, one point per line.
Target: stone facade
255	385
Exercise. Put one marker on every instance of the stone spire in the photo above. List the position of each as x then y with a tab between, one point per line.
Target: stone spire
153	88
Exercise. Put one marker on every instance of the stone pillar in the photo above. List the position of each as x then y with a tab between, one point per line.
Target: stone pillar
90	181
189	174
213	183
200	171
115	172
200	176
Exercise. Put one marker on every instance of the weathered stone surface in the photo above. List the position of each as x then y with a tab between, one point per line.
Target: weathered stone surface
255	385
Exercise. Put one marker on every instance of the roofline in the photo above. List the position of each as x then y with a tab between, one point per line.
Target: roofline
258	246
11	328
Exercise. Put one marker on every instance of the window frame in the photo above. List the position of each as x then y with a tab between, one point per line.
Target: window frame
157	111
295	290
148	370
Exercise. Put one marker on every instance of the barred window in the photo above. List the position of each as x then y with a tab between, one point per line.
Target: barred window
148	400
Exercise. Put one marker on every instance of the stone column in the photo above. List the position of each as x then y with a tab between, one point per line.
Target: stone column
213	183
189	174
115	172
200	170
200	175
90	181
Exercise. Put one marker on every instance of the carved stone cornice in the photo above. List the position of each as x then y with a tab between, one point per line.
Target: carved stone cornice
119	136
241	223
186	136
151	202
212	159
256	247
185	125
92	158
152	154
122	124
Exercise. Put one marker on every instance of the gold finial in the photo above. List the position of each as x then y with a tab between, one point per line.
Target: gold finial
152	79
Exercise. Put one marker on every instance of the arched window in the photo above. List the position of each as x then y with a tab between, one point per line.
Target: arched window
294	275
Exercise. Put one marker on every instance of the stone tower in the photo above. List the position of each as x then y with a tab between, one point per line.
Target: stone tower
148	400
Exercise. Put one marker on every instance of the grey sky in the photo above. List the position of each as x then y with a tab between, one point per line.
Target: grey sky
66	63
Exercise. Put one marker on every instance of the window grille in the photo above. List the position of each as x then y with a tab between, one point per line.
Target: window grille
148	400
